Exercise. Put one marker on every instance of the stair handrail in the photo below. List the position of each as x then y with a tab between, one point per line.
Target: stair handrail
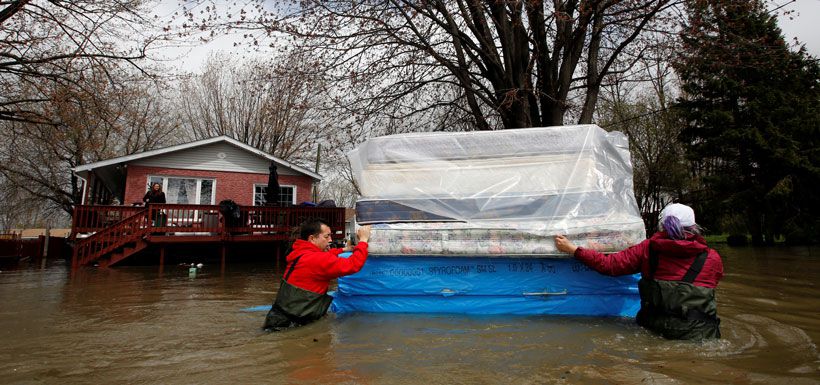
93	218
130	229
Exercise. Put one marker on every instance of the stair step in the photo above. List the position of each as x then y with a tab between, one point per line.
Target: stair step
127	252
116	241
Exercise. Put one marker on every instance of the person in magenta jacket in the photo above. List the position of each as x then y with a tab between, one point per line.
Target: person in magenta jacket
679	274
302	297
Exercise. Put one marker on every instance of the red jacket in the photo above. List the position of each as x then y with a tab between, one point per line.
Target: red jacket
675	257
316	267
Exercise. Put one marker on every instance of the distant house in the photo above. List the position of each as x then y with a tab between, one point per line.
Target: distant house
202	172
111	224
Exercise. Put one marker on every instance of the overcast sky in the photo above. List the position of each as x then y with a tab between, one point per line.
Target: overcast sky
803	24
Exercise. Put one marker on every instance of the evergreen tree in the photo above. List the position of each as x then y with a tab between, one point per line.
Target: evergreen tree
752	108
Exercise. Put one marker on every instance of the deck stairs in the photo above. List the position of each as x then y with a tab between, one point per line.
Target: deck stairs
113	243
123	253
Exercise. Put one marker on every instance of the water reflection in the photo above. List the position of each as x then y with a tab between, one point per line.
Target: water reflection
134	325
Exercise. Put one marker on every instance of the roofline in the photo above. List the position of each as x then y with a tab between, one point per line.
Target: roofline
197	143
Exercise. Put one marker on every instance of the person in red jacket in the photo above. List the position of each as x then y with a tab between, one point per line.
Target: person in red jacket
679	274
302	297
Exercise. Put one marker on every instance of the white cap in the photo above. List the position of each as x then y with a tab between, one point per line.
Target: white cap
684	213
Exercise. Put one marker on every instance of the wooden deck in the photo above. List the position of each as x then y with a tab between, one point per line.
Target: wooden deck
108	234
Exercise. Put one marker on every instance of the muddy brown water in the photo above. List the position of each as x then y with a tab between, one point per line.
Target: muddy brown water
131	325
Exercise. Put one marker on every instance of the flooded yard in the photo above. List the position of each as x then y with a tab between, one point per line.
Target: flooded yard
136	325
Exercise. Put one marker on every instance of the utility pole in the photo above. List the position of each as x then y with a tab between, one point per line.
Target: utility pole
316	186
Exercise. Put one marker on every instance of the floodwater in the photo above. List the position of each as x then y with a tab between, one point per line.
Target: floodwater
133	325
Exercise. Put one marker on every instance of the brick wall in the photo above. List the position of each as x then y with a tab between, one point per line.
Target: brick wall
236	186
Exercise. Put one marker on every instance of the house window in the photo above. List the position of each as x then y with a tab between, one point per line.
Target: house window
185	190
206	192
287	194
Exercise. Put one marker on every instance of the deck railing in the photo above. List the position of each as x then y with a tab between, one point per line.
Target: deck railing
170	220
207	219
89	219
110	238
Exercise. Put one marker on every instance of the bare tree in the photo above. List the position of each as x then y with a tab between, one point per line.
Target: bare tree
269	104
89	123
641	109
46	44
21	210
495	64
337	185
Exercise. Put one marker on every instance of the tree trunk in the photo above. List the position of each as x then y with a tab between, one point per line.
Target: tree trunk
593	82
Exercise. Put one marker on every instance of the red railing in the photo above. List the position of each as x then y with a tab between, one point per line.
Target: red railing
191	220
282	219
89	219
173	218
209	220
108	239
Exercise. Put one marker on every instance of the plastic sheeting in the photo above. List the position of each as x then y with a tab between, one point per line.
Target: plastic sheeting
535	239
509	191
482	285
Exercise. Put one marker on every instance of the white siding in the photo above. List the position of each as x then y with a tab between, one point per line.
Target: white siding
208	158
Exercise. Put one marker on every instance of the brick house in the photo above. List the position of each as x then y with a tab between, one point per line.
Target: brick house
111	224
202	172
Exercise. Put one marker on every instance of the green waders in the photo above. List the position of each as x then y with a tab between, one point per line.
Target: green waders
295	306
678	309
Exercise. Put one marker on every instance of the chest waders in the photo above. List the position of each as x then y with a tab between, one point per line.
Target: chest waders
295	306
678	310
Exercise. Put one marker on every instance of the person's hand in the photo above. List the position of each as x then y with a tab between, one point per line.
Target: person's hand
563	244
363	234
348	246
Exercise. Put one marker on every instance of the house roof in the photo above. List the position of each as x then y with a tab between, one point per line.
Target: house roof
198	143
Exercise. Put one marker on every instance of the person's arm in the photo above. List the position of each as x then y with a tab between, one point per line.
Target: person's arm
147	197
336	266
339	267
712	271
161	198
718	266
627	261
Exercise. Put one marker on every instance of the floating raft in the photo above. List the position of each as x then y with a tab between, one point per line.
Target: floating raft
484	285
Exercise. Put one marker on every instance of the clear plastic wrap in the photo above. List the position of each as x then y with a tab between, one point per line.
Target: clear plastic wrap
496	192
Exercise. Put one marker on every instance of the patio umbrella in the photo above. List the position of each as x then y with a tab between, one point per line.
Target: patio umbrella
272	192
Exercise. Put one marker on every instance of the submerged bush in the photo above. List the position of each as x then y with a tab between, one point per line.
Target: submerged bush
737	240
